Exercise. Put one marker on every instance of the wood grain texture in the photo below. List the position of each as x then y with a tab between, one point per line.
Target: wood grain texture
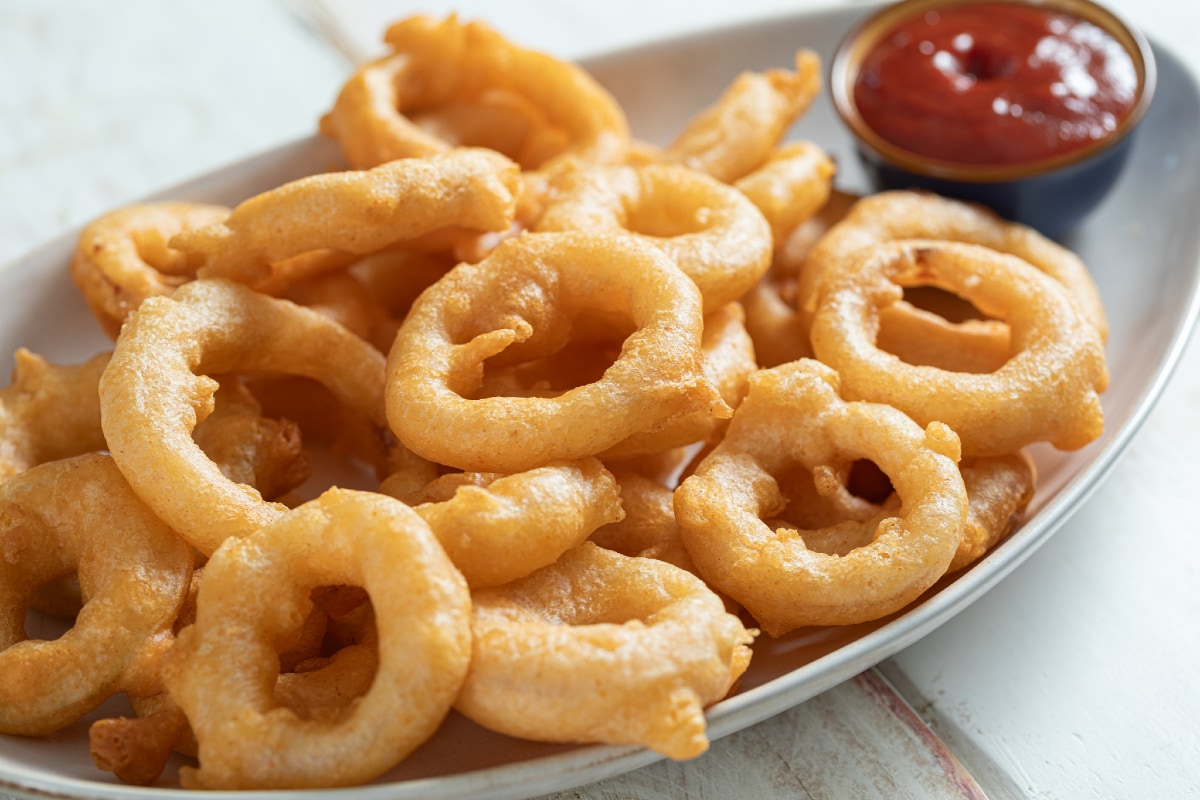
858	740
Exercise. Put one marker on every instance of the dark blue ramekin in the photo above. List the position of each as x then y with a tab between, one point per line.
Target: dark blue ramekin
1053	195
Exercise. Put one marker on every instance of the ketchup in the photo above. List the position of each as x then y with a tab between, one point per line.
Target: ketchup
995	83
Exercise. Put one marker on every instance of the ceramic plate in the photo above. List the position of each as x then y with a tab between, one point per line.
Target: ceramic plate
1142	247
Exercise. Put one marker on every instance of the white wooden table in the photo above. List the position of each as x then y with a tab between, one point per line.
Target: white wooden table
1074	678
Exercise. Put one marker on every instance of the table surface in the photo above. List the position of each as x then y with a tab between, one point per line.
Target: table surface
1071	679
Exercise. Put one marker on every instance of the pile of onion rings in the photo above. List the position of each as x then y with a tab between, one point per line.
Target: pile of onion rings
513	415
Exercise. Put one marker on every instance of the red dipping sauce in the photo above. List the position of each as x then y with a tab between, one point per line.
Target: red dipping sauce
995	83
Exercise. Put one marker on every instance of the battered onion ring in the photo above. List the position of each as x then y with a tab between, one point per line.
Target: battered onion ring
157	380
323	688
712	231
932	340
794	184
136	749
834	519
737	134
346	299
648	528
79	515
257	589
249	448
519	304
779	332
599	647
451	65
49	411
917	215
395	278
1048	389
728	362
998	489
497	528
793	416
355	212
123	257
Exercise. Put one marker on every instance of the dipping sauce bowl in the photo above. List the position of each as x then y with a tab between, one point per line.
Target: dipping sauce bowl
1026	106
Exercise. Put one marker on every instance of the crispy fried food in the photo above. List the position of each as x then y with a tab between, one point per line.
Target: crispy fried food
793	416
648	528
49	411
520	304
136	749
778	330
345	298
313	685
792	185
710	230
998	490
600	647
901	215
497	528
737	134
564	384
124	256
450	83
257	589
79	515
250	448
728	363
1046	391
354	213
159	380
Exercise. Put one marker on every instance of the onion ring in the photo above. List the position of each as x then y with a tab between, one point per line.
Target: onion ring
256	589
49	411
176	342
518	304
52	412
779	332
79	515
793	416
792	185
355	212
648	529
344	298
453	72
123	257
599	647
136	749
899	215
736	135
497	528
1047	391
835	519
712	231
998	489
249	448
728	362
